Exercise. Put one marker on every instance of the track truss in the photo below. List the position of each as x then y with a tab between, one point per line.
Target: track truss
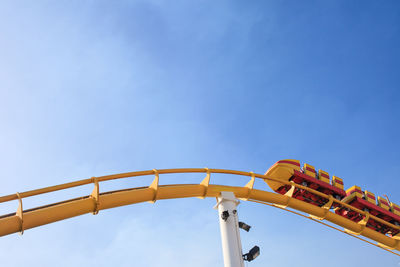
22	219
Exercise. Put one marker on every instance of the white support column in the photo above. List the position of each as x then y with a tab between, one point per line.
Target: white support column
229	226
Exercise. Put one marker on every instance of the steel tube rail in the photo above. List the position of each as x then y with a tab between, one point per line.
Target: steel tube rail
126	175
170	171
26	219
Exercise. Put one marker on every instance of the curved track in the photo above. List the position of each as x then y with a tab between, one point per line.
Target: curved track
25	219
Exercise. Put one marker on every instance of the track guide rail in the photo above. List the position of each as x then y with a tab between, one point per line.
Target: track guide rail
25	219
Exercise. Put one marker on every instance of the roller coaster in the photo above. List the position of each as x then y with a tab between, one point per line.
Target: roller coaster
295	188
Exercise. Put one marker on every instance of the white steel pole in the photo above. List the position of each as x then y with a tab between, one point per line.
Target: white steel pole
229	226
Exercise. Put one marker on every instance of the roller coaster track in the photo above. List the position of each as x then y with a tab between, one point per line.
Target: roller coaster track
25	219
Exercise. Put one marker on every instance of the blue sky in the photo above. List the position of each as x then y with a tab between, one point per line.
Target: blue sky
89	88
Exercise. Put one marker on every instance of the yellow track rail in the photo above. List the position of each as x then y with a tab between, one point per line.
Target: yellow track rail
26	219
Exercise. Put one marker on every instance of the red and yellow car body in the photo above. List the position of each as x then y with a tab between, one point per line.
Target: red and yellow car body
290	170
366	201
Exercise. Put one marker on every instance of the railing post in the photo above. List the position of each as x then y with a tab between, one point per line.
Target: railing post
229	227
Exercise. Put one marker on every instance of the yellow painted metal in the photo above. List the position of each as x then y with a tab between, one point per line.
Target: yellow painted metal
95	195
337	182
309	170
323	176
20	214
370	197
250	186
26	219
154	186
205	183
281	171
395	208
378	245
382	202
354	191
284	169
327	207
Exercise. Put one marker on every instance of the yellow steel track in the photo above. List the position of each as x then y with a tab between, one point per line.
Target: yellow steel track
25	219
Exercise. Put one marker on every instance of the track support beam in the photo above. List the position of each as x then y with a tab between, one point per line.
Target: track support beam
229	227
